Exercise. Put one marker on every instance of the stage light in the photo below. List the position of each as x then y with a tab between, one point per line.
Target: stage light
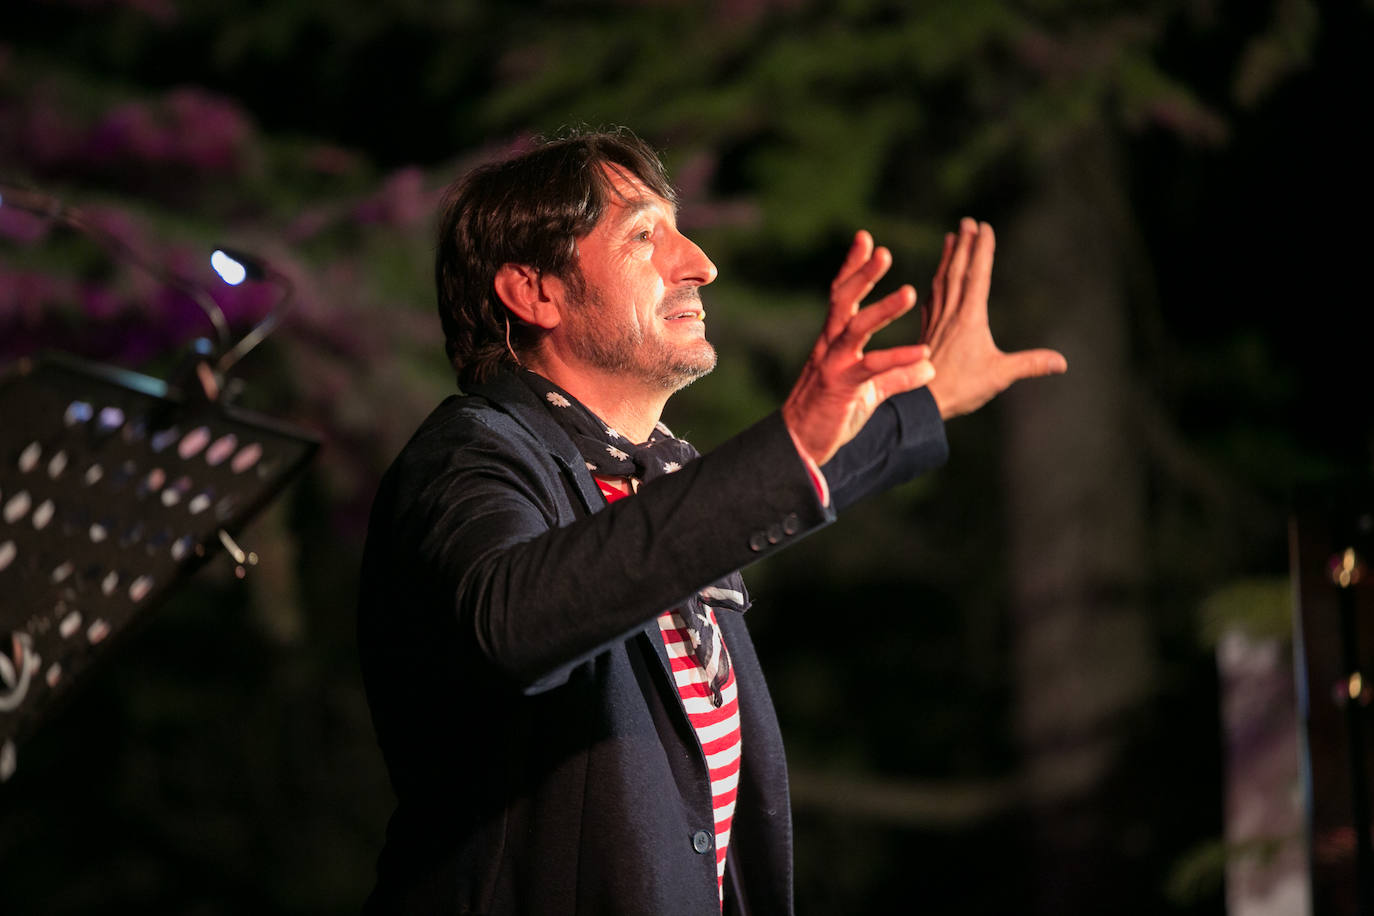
230	270
234	267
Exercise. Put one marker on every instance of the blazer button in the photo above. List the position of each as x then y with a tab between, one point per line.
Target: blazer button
757	541
701	841
774	533
791	524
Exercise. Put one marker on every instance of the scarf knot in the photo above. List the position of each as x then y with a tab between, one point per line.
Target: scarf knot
607	453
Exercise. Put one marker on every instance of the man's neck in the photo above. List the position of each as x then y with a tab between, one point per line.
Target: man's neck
628	405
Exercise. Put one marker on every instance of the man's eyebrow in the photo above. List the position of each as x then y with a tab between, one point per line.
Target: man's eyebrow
633	206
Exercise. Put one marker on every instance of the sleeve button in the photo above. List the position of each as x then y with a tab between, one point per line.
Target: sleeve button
791	525
757	541
774	533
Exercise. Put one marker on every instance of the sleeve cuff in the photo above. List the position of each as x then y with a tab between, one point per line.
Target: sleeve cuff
817	478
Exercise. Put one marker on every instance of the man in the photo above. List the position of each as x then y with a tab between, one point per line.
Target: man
563	687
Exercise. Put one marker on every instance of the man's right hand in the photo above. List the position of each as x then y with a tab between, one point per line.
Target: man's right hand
841	385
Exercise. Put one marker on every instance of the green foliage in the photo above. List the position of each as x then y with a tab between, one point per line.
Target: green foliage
1259	607
1200	873
1285	47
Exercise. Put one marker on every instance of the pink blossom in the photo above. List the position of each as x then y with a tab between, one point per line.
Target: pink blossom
309	223
176	317
247	304
206	131
332	160
186	127
48	135
100	303
20	226
129	131
27	295
119	225
401	202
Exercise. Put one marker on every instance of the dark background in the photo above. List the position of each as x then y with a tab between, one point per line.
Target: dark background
998	683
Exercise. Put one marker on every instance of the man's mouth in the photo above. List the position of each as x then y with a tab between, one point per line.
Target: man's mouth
687	315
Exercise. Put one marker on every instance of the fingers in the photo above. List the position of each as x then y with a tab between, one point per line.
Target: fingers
879	361
962	281
859	252
933	309
1033	364
873	318
903	378
942	272
979	279
845	352
958	262
846	294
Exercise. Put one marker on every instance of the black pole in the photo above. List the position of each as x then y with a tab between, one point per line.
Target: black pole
1355	690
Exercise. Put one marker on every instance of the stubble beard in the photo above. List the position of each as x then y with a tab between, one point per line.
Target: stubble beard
624	349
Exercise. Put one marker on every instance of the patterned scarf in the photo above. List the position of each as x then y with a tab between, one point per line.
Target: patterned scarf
609	454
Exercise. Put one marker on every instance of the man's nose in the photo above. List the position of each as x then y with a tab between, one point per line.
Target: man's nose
692	265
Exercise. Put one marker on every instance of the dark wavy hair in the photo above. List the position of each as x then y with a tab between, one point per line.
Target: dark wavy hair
529	210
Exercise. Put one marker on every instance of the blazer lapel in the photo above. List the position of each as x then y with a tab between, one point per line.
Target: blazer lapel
513	396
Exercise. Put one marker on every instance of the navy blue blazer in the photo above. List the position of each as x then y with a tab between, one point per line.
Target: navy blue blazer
541	759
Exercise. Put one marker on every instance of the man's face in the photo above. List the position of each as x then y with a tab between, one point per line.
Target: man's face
640	314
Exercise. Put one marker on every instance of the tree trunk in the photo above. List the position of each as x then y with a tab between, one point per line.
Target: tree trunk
1080	642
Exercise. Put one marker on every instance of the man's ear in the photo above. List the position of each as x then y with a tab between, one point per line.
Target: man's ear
526	293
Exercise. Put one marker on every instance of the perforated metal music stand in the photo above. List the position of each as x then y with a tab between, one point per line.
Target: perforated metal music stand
113	489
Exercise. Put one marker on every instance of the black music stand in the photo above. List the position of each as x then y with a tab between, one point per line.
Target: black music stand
114	488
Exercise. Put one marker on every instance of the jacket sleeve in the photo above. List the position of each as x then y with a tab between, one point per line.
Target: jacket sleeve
478	519
905	437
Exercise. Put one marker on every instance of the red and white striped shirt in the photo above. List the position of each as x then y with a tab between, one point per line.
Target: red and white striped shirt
718	729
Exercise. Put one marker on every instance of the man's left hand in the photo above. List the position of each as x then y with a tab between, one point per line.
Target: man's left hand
970	370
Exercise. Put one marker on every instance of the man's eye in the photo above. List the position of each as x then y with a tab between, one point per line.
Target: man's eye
643	235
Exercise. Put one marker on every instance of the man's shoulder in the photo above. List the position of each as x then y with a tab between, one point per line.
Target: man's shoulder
474	444
468	423
465	413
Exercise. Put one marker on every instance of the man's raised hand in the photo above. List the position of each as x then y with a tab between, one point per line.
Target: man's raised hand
970	369
841	385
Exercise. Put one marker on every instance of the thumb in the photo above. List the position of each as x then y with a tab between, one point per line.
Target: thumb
1034	363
